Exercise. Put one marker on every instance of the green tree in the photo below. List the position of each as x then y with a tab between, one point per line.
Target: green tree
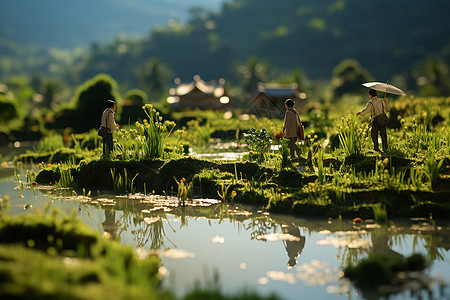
8	110
135	97
90	98
88	103
153	78
253	72
436	80
348	77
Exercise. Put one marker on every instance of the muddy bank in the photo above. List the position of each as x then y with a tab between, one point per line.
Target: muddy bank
285	190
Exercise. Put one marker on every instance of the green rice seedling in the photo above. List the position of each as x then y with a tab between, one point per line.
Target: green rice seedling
121	183
155	133
275	197
285	154
432	170
184	191
259	142
76	143
352	136
66	177
320	170
223	193
379	212
50	143
200	135
415	178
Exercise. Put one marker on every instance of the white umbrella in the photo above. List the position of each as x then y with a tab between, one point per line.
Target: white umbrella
384	87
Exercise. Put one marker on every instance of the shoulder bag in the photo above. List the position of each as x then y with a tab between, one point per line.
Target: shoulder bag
300	130
103	131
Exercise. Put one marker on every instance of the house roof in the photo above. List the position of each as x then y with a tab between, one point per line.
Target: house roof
278	90
208	88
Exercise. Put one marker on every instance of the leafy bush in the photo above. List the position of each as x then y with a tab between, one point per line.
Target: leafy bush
258	141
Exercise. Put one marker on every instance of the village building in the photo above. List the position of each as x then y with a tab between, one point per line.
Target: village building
198	94
268	100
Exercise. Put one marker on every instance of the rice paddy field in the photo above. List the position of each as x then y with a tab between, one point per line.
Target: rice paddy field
217	208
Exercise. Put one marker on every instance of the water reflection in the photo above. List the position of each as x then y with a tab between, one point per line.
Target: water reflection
146	219
109	225
293	247
267	249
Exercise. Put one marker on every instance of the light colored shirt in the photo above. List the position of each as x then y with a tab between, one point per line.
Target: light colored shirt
108	120
291	122
376	107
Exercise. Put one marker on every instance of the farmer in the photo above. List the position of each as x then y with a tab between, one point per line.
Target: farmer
109	122
290	126
378	118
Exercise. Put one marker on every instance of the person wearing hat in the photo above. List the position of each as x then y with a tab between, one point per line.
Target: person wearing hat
377	109
291	123
109	122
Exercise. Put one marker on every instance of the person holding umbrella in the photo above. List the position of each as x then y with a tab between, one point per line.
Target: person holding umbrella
378	119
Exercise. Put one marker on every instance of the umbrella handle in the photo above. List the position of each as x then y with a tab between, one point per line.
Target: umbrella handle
387	83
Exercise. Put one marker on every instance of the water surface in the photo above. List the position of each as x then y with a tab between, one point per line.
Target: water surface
239	247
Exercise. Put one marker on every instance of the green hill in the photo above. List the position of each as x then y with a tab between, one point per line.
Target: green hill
386	37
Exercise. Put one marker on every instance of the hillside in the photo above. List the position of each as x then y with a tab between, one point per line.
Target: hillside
50	23
388	38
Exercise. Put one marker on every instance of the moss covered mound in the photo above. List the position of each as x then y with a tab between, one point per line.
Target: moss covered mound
61	155
61	234
59	257
158	175
381	268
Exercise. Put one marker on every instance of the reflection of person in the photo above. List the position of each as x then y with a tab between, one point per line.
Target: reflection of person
109	122
376	107
109	225
293	248
291	123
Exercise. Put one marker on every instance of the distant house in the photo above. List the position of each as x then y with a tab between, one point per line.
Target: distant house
198	94
268	100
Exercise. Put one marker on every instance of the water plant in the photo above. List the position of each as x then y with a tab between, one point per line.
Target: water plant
184	191
50	143
66	178
352	136
432	169
320	170
223	193
379	212
155	132
121	183
200	135
259	142
285	153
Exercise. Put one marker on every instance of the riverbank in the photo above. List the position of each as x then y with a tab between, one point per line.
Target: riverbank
384	190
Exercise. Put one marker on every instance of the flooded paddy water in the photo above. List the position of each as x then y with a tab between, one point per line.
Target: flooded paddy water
238	247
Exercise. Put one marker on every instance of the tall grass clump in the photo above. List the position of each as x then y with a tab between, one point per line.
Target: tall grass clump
184	191
320	169
432	169
50	143
121	183
258	142
352	136
379	212
66	178
155	132
198	134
